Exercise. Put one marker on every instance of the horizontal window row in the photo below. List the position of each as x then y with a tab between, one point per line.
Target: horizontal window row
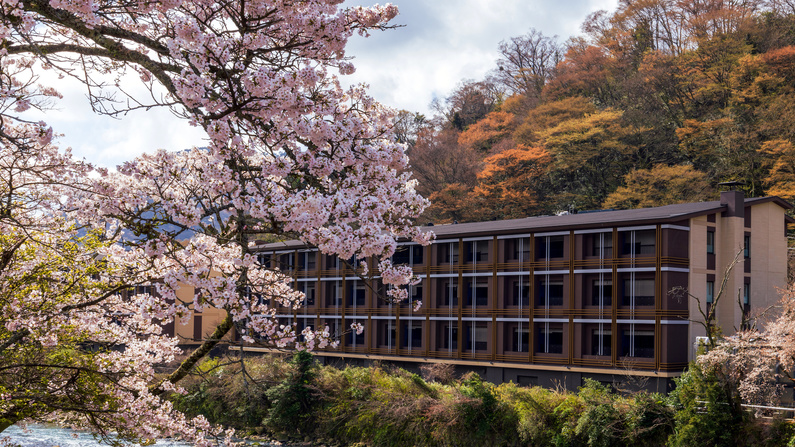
506	338
539	248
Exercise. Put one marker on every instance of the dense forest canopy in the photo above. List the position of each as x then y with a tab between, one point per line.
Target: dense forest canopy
658	102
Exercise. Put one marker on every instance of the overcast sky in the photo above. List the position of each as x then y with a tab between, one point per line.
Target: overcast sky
442	43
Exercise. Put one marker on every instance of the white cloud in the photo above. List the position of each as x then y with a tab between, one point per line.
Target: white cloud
442	43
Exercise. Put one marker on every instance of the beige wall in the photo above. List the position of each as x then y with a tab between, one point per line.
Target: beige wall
210	318
768	272
768	255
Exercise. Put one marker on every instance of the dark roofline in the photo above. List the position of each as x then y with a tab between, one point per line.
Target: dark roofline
571	222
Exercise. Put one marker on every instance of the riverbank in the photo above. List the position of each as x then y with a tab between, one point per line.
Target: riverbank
297	401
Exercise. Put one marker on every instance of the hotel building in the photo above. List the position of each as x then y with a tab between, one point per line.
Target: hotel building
554	299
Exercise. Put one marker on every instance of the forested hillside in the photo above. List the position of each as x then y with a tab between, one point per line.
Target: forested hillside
658	102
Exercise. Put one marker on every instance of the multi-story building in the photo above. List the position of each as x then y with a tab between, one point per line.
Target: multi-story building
555	298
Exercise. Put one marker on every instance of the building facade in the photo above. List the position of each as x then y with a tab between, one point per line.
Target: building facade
554	298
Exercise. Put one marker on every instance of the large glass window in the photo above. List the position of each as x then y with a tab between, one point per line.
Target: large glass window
477	251
747	246
602	245
333	293
449	336
638	242
518	249
520	338
520	292
550	292
477	336
550	340
602	292
357	291
264	260
388	334
412	335
450	292
354	339
477	291
448	253
286	262
637	343
550	247
308	287
642	290
408	254
601	342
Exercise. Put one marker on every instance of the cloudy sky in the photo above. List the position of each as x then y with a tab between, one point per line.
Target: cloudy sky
441	43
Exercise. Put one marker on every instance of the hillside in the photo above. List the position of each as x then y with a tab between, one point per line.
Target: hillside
657	103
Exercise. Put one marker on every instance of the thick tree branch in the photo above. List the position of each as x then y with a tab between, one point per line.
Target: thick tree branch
187	365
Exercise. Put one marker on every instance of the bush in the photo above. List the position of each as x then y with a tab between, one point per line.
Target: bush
707	413
293	400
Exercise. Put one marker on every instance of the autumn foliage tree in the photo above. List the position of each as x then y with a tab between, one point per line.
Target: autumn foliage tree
660	185
289	153
650	86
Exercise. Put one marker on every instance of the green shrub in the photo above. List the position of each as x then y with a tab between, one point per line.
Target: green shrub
293	400
707	413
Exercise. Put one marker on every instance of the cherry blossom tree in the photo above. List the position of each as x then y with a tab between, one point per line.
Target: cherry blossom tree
757	362
289	153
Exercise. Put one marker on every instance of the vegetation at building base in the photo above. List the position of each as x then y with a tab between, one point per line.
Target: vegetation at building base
386	406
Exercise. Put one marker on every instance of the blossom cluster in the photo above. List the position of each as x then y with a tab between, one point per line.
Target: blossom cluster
289	153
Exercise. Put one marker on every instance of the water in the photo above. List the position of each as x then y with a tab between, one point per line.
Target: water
52	436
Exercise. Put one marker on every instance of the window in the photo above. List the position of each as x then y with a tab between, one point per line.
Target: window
746	294
264	260
416	292
747	246
710	292
333	293
550	340
602	245
286	262
450	292
479	336
449	253
638	242
636	343
449	336
355	339
309	292
332	262
710	242
477	291
333	328
388	334
412	335
550	292
521	293
356	293
601	342
602	292
518	249
642	290
477	251
306	260
550	247
417	252
408	255
402	255
520	338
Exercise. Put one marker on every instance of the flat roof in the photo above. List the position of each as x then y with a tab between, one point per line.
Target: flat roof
583	220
